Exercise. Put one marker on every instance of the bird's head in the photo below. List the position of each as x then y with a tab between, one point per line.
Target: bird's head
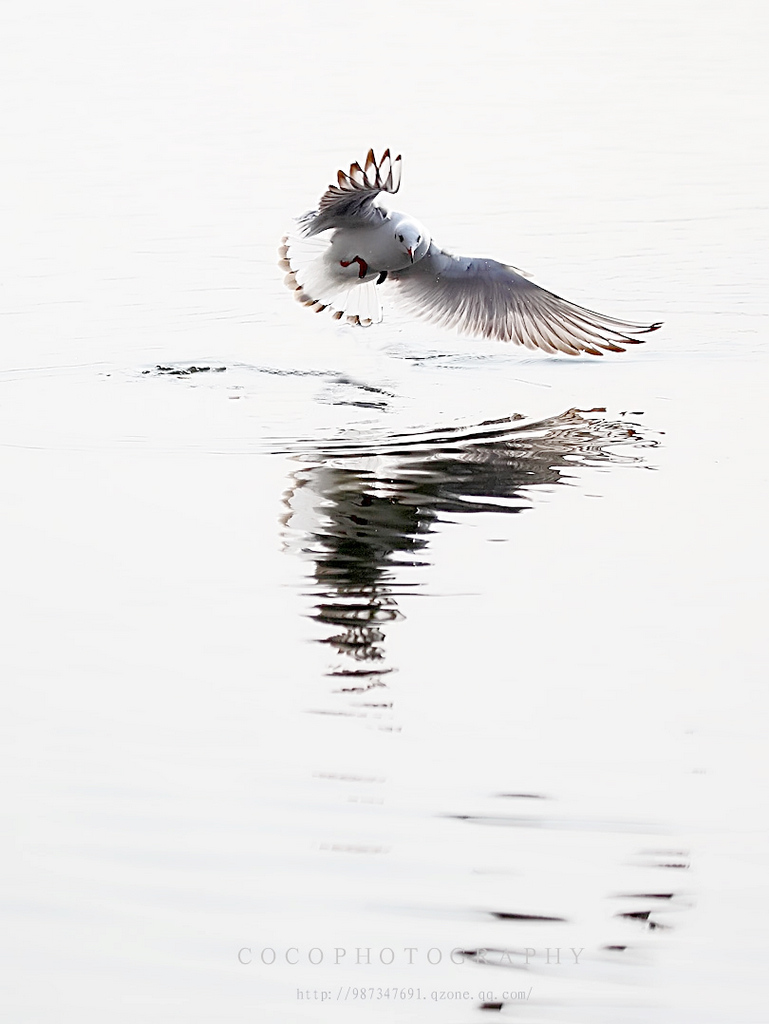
412	238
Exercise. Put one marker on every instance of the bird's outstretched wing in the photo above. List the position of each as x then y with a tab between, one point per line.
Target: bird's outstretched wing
489	299
351	199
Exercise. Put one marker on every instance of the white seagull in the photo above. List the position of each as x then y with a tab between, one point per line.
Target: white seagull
350	245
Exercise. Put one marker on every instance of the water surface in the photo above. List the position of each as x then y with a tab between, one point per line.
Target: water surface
327	645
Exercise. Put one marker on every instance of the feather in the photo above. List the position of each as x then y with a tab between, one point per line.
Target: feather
340	254
351	199
317	282
486	298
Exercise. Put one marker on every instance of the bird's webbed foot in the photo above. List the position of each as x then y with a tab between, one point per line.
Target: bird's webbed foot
361	263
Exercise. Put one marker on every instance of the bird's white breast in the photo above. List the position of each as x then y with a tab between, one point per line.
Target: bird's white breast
377	244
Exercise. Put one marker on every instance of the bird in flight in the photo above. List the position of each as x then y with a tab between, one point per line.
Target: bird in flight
345	250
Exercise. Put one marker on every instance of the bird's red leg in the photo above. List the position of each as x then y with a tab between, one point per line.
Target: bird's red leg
361	263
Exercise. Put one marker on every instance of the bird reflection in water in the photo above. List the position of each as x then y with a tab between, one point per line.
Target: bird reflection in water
363	514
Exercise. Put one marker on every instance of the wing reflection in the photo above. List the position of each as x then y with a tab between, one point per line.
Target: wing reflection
363	513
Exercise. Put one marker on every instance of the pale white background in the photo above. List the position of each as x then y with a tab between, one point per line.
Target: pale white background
170	793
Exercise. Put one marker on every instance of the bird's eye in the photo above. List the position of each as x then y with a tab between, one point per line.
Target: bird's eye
400	238
419	239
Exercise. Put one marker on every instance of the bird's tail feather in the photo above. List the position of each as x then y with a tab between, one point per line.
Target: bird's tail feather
320	285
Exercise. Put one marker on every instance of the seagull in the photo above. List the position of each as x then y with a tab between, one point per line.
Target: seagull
345	250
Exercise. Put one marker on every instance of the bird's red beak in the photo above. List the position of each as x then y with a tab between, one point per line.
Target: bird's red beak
411	254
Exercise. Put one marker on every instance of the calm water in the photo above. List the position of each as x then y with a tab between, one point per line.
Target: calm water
381	675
